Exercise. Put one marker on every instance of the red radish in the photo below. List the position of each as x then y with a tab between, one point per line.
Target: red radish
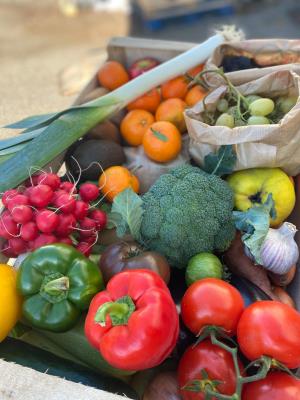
22	214
88	192
100	218
42	240
90	239
66	225
49	179
32	181
84	248
40	196
68	187
18	245
8	195
29	231
141	66
8	227
81	209
18	200
47	221
66	240
87	227
7	251
57	194
64	202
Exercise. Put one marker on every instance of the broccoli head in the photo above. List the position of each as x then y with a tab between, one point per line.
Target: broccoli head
186	212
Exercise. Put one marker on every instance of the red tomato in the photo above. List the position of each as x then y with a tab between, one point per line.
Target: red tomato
276	386
272	329
217	362
212	302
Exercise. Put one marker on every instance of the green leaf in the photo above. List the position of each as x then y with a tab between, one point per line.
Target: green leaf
129	206
222	162
159	135
254	224
32	121
7	143
56	138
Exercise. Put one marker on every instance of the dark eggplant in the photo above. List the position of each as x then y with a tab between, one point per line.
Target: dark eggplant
249	290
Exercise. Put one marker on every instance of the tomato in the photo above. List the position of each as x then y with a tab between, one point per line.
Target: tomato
276	386
218	364
212	302
272	329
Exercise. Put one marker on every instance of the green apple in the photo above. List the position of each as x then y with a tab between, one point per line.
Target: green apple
252	186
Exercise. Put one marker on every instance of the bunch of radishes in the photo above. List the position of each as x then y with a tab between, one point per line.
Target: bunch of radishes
48	210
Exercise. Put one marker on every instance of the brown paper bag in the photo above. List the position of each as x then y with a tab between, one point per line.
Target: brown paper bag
273	54
276	145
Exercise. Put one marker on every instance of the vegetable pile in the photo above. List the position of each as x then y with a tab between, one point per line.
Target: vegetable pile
180	288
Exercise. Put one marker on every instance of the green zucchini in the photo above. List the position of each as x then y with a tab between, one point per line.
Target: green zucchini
74	342
24	354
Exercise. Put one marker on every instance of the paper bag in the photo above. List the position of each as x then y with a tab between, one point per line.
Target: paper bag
272	54
276	145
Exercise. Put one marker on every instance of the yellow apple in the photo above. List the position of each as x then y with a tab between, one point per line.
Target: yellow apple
252	186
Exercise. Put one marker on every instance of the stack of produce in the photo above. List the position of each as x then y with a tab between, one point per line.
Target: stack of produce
187	299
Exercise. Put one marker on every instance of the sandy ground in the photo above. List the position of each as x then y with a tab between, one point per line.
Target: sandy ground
39	46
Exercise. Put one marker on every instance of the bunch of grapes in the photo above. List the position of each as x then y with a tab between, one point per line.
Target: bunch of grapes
253	110
47	210
234	109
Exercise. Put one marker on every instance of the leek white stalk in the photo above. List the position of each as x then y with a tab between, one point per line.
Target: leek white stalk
60	130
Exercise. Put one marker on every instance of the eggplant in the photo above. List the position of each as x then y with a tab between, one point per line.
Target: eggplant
250	292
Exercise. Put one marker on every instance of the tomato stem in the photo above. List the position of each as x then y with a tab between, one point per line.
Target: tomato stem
234	353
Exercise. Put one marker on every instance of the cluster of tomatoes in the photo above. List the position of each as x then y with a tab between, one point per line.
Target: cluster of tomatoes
47	211
156	119
267	334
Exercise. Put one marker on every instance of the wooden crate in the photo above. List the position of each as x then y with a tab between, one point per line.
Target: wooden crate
127	50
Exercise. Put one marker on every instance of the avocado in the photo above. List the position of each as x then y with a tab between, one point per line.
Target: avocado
86	156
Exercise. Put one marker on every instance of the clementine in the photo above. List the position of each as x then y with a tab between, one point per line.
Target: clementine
176	87
172	110
116	179
149	101
162	141
112	75
194	95
134	126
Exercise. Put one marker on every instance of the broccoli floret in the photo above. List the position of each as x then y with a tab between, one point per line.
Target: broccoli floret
186	212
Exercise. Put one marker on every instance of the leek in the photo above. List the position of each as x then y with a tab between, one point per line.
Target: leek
55	132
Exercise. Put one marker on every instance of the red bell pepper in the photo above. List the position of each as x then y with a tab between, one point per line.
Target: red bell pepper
134	322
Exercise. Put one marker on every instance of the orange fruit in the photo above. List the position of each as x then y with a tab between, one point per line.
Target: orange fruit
176	87
196	70
194	95
116	179
134	126
149	101
112	75
172	110
162	141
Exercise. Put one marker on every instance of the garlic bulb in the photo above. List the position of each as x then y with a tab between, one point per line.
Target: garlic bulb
279	252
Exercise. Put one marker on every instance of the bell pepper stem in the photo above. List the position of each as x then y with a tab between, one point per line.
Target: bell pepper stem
57	286
119	311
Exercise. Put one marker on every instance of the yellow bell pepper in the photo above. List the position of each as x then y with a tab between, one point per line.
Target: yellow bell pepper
10	300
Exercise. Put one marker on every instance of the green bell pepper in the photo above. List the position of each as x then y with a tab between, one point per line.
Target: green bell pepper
58	283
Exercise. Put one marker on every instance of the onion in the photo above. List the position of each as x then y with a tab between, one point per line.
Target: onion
163	387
